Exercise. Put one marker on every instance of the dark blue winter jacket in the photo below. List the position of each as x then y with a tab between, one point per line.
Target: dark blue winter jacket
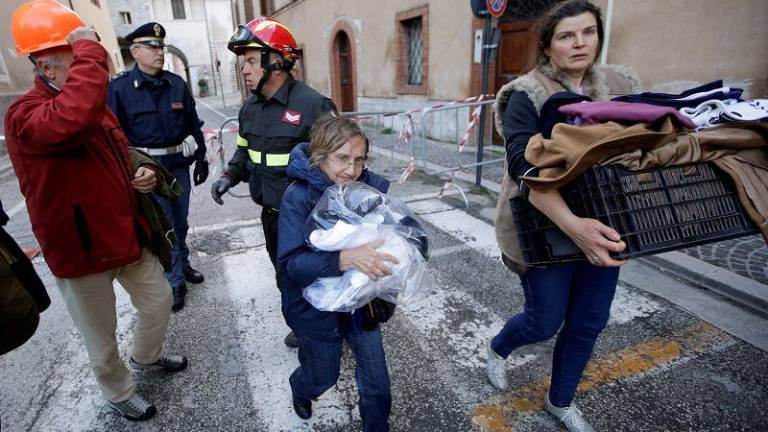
298	264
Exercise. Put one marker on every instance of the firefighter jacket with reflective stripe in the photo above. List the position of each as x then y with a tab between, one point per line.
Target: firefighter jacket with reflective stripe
269	129
71	159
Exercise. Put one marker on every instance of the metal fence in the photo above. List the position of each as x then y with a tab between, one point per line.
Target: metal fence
441	141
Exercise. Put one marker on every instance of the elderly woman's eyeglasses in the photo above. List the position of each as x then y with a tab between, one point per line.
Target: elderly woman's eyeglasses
346	161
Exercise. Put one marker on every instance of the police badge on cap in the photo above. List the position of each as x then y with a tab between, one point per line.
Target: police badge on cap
151	34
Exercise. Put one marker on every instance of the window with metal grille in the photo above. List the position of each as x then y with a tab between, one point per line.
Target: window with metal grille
415	46
177	7
126	17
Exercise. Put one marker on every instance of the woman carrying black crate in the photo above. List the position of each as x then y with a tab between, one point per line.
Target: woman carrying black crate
573	297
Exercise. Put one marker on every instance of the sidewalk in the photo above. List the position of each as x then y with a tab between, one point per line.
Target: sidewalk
227	106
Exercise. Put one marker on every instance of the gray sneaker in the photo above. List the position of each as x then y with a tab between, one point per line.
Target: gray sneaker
494	366
166	362
135	408
572	418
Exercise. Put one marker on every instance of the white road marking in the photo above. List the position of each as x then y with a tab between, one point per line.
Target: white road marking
473	232
434	253
224	225
269	362
77	400
17	208
434	314
217	112
627	306
480	235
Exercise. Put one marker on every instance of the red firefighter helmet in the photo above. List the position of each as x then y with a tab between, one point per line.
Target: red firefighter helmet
264	33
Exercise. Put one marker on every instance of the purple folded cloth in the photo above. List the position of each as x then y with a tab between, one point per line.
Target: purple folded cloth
635	112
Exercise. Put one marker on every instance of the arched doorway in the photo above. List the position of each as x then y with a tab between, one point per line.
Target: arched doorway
343	71
180	63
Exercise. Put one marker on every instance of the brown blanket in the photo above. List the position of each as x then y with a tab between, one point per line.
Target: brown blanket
739	149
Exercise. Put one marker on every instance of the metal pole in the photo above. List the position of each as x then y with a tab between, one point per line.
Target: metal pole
221	83
607	36
487	49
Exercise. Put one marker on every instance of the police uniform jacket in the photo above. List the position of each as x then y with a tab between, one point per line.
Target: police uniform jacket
269	130
155	113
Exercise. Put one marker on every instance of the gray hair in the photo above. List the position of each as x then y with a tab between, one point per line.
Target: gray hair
329	133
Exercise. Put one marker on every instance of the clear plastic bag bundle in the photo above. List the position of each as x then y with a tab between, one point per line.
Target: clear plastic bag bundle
350	215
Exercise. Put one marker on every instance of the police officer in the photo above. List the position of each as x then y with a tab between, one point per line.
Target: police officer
277	116
157	112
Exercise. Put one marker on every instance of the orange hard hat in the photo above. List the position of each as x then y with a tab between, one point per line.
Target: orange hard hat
42	24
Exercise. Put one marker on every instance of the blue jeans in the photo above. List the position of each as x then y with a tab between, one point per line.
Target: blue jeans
320	360
177	211
574	296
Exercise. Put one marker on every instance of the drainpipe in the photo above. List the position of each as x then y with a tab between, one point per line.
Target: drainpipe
607	34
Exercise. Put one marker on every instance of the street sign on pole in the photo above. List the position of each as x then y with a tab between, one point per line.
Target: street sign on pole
496	7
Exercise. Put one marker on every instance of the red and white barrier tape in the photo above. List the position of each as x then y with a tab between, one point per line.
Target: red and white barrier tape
475	117
426	109
445	187
408	171
406	130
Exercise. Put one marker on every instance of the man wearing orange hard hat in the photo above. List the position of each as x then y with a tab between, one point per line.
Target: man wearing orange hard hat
73	166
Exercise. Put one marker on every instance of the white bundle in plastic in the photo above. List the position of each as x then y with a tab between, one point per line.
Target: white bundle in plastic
353	214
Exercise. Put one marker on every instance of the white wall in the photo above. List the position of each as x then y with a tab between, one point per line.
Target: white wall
202	36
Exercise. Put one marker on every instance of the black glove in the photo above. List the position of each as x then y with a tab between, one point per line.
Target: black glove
219	188
200	173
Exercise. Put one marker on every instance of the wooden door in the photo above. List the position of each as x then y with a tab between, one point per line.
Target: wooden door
516	46
345	72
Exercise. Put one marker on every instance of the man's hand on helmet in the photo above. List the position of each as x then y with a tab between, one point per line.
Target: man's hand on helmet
83	33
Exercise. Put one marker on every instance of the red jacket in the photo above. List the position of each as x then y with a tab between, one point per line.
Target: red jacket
71	159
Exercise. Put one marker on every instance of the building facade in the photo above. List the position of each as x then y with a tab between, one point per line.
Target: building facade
197	32
16	76
402	54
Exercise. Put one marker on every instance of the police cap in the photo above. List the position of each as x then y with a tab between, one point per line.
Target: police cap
151	34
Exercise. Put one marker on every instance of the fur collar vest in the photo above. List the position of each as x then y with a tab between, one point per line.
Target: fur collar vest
600	83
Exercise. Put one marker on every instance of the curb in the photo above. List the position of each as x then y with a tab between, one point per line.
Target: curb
488	184
738	289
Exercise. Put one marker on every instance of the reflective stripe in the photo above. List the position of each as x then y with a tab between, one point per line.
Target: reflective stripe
280	159
242	142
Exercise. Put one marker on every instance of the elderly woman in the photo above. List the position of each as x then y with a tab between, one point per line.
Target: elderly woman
574	298
337	154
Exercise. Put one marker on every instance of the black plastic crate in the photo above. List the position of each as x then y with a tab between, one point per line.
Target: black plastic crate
655	211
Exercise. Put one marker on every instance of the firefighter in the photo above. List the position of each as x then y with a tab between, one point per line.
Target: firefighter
275	118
